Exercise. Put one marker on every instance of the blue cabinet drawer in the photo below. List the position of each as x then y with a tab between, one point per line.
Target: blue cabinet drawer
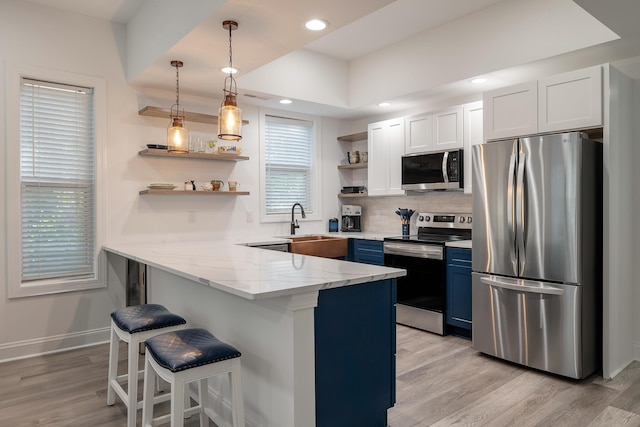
368	251
458	256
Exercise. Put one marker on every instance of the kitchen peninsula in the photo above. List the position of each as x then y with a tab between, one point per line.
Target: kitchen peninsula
317	335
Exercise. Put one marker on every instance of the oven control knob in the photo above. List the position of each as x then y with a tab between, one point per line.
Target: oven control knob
469	220
462	219
421	218
427	218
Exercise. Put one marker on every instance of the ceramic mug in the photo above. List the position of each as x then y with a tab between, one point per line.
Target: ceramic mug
233	185
216	184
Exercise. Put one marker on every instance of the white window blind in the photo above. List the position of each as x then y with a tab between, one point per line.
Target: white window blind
288	164
57	181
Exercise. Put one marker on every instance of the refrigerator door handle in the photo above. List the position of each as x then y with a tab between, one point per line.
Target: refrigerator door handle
520	211
539	288
510	217
445	162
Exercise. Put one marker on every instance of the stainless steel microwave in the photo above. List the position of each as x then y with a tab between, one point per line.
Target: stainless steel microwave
433	171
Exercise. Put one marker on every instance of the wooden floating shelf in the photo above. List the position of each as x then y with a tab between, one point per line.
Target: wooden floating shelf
360	136
194	155
354	166
352	195
188	115
198	193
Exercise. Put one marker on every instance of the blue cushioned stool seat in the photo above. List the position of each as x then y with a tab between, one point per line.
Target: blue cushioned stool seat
188	348
187	356
145	317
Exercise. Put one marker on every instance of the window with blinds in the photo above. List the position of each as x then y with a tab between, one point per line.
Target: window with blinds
57	181
288	162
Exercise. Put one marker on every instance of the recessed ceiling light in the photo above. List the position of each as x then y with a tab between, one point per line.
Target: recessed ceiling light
229	70
285	101
479	80
384	104
316	24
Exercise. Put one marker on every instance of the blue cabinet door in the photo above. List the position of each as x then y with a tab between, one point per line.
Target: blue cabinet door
459	288
368	251
355	347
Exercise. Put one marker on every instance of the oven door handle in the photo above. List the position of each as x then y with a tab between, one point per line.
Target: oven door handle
415	251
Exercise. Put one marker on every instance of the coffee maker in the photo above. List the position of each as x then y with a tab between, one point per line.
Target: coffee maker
351	216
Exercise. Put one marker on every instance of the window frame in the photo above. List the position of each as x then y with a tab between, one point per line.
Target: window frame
316	168
15	287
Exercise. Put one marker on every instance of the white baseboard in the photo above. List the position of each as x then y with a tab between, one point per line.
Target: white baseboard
39	346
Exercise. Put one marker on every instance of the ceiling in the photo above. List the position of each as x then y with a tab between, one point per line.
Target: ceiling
403	51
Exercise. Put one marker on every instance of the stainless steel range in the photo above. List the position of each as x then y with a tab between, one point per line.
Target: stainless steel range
422	292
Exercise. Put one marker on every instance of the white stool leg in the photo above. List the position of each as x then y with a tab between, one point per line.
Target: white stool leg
177	401
237	404
150	378
114	351
203	400
132	382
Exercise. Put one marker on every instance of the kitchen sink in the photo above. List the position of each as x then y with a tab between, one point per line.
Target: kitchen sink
317	245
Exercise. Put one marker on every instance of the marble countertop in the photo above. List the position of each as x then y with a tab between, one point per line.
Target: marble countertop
252	273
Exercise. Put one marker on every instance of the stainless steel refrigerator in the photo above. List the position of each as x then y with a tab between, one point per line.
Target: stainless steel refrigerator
537	252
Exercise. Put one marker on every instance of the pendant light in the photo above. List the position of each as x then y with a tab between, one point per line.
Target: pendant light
229	115
177	134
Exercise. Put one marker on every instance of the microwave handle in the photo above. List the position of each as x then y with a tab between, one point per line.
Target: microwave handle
445	161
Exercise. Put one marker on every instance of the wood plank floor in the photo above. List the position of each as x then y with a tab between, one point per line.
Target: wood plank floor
441	381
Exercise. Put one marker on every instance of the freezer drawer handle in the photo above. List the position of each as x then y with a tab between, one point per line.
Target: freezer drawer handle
542	289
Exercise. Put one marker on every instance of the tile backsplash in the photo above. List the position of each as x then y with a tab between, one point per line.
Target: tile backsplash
378	213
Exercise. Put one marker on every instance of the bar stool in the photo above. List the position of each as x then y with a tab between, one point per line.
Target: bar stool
185	356
133	325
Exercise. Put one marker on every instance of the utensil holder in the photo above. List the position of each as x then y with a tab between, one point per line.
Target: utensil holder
405	229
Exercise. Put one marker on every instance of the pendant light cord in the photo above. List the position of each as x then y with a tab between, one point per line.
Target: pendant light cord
177	85
230	52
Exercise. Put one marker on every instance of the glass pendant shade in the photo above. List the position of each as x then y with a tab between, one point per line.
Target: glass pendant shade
177	136
229	120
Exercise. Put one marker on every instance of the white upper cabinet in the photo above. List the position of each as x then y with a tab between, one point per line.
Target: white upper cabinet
434	131
473	125
447	129
418	133
386	146
571	100
511	111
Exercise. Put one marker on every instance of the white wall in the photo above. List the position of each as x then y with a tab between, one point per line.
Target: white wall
78	44
618	219
43	37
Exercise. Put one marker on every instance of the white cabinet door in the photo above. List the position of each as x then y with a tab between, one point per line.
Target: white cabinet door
418	133
511	111
571	100
472	136
394	156
447	129
386	146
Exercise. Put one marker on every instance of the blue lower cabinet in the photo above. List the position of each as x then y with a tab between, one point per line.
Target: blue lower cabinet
367	251
355	350
458	310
